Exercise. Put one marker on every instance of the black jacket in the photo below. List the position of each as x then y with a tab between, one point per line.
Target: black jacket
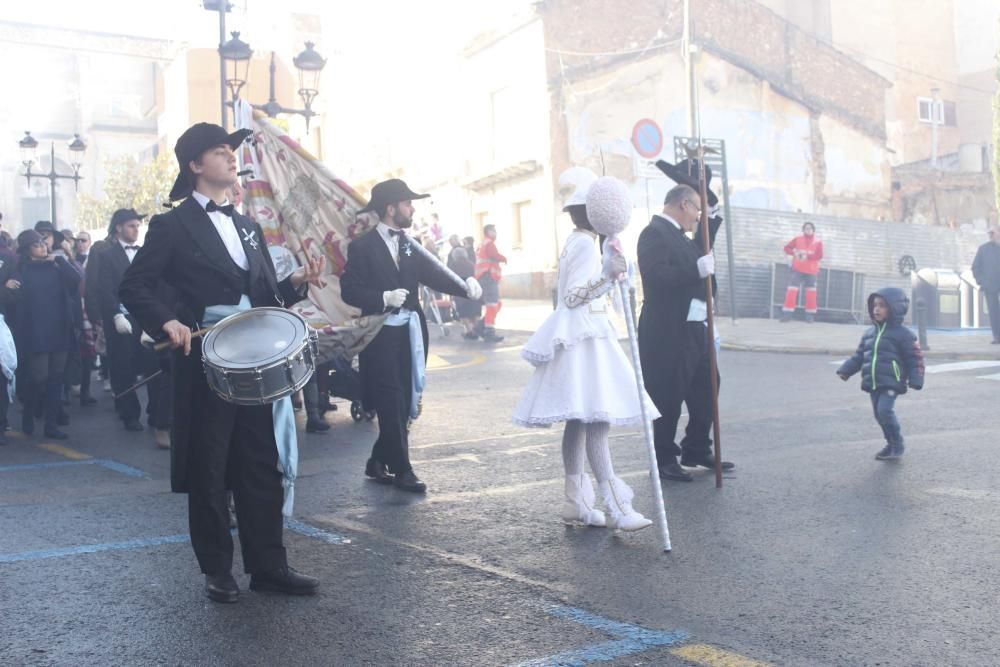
668	265
370	271
183	251
111	269
889	355
986	267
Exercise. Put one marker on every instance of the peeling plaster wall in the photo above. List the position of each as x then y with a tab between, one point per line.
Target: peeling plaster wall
781	156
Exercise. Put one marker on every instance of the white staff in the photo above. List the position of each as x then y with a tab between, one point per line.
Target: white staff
609	209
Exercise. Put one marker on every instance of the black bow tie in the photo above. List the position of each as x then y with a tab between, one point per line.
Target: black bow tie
396	232
131	247
225	210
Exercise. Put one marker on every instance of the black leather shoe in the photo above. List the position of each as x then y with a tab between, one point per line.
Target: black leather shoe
317	426
378	472
133	425
673	471
704	462
408	481
55	434
222	587
284	580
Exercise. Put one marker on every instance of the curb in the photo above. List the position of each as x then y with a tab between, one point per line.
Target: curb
928	354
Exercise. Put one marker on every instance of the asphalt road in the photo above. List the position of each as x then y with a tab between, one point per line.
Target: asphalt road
812	553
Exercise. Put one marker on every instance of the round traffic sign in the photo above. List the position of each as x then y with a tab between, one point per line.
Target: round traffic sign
647	138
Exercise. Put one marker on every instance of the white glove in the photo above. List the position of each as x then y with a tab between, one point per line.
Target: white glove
474	289
706	266
122	325
146	340
395	298
615	265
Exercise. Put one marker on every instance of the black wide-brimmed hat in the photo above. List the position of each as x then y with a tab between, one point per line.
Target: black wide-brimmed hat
124	215
43	226
686	172
196	140
390	192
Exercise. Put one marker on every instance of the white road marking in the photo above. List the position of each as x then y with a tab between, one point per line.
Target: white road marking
989	377
961	366
965	494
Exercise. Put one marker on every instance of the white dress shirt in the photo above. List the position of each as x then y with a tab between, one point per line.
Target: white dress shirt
227	232
130	249
391	240
698	309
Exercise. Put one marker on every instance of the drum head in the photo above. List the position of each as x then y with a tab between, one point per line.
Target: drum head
256	337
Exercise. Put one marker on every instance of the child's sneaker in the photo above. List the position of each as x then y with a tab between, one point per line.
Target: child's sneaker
885	453
891	452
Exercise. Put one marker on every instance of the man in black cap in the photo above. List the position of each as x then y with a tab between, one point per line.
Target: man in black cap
384	270
126	355
673	336
215	259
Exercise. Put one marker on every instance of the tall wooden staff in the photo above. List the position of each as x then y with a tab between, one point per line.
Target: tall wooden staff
713	360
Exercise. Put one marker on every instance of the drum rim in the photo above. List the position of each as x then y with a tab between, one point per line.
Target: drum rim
278	358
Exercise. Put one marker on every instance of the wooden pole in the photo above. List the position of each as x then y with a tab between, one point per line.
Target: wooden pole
713	360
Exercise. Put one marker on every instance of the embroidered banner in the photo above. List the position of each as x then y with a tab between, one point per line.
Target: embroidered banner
302	206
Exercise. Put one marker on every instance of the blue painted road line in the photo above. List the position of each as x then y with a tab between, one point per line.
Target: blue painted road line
132	545
114	466
318	533
628	640
128	545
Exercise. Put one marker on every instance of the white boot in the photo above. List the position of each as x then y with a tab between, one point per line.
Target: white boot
618	499
581	503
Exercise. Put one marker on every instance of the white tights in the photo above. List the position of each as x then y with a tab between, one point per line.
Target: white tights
594	437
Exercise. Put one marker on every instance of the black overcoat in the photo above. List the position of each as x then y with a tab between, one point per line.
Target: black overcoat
370	271
668	265
183	249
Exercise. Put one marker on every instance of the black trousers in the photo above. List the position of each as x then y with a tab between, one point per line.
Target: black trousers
128	359
386	370
688	380
993	306
233	448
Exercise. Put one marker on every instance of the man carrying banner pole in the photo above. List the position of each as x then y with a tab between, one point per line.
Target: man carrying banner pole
384	270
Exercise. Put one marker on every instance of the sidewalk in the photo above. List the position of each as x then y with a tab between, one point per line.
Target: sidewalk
761	335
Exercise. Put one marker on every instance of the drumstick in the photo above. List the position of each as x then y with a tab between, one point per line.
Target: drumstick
164	344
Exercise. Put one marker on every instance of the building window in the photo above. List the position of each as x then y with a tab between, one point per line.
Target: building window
941	112
522	217
482	219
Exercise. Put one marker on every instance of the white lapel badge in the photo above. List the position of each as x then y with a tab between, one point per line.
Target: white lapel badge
407	250
251	238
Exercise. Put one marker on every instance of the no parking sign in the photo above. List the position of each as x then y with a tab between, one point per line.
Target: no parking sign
647	138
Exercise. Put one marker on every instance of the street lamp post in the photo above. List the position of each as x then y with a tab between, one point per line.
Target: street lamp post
234	69
235	55
29	147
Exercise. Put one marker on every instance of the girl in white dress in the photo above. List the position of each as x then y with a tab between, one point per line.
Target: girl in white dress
583	378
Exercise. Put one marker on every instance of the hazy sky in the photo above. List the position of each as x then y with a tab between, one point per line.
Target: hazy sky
390	62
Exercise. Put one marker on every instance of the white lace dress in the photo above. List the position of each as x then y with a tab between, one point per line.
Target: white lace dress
581	371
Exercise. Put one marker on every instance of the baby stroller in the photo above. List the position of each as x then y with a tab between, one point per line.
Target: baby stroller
344	381
439	309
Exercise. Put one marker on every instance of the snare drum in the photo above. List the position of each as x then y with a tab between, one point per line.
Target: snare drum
259	356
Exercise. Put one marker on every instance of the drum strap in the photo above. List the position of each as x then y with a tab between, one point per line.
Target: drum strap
281	412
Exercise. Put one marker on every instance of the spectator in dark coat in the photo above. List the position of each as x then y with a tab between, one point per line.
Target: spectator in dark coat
44	296
986	270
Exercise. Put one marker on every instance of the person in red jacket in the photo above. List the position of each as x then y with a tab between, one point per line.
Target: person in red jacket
488	273
806	251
